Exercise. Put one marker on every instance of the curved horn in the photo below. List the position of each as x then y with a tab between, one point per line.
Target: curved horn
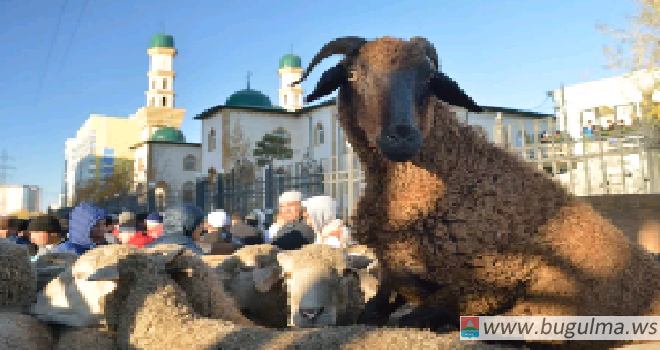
429	48
341	46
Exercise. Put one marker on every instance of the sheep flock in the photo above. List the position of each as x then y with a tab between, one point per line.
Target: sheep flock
450	224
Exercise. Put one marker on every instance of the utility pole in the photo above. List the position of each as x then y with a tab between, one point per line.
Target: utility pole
3	178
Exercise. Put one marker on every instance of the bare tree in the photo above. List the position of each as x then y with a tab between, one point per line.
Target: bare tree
637	49
637	46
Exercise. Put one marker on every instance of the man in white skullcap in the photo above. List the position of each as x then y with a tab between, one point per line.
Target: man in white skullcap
290	231
218	223
289	206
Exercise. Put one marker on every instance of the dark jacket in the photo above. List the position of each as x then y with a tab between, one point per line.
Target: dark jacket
242	229
180	240
290	239
214	237
304	229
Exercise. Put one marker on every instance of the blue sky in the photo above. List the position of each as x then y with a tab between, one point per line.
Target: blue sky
503	53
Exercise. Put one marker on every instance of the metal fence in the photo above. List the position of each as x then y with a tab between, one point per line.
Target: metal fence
619	161
339	177
609	162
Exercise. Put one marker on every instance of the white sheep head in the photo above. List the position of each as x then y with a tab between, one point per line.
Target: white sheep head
319	290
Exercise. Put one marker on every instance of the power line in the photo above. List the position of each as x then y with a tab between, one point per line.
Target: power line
75	30
541	105
50	50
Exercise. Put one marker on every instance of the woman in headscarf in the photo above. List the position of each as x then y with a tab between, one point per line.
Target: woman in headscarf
86	226
321	214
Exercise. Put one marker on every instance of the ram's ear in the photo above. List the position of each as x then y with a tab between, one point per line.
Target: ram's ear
165	258
265	278
285	260
108	273
448	91
357	261
330	80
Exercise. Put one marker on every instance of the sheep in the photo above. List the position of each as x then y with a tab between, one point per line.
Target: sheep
70	291
50	265
200	283
18	279
23	332
149	311
85	338
251	276
323	288
461	226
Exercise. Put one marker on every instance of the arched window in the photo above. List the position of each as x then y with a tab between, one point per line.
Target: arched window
318	134
164	101
164	83
188	192
189	163
211	140
153	85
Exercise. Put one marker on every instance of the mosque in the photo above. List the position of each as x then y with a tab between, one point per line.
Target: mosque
164	160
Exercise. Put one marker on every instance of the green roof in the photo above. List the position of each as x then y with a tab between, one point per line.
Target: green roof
162	40
290	60
168	134
248	98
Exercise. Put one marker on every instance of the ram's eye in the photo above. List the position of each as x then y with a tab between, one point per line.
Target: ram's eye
287	275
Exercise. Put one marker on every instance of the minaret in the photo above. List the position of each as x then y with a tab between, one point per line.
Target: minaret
159	110
290	70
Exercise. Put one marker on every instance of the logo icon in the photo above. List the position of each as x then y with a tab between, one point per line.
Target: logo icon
469	326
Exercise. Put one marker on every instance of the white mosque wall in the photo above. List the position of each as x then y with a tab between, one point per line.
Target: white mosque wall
211	156
168	165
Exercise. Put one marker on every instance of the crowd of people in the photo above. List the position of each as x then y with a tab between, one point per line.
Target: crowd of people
298	222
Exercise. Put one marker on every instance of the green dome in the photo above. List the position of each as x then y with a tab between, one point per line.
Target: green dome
248	98
290	61
162	40
168	134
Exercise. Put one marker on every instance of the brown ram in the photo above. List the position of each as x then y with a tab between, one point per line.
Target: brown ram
460	226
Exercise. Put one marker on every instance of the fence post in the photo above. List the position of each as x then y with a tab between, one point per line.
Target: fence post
151	197
219	198
200	186
268	193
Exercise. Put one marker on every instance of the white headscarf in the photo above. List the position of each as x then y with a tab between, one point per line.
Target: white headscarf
321	210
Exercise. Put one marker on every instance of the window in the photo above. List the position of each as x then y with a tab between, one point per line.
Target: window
153	102
188	192
164	83
212	140
164	101
189	163
140	164
153	85
285	100
318	134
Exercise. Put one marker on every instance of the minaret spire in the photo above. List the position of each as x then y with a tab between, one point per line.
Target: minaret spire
248	79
